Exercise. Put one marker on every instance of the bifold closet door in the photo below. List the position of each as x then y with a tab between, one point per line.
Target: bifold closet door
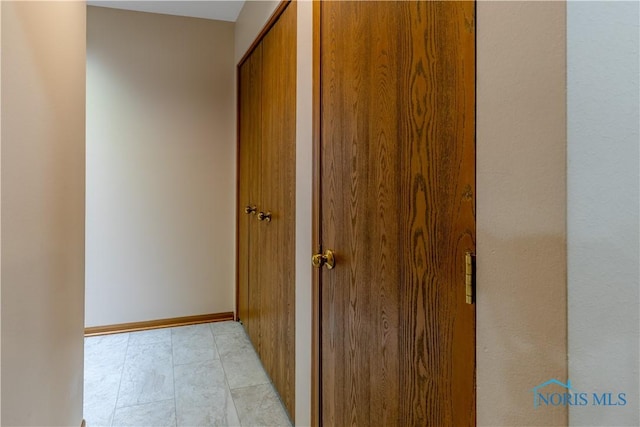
277	348
250	242
266	246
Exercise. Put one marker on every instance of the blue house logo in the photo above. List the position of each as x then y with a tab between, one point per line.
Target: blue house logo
564	395
546	398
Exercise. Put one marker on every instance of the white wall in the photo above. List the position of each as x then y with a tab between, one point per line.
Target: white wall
160	167
603	206
42	209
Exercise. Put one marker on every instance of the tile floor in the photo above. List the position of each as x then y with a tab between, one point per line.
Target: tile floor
196	376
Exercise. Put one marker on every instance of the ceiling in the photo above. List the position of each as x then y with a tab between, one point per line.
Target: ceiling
213	9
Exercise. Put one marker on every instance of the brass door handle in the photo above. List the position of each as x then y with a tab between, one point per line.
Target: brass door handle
250	209
327	259
264	216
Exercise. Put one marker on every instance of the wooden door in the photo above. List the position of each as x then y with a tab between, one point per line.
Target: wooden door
250	242
266	247
397	206
277	348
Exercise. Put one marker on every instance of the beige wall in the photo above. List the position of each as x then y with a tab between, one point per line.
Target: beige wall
304	192
160	167
251	20
42	186
521	209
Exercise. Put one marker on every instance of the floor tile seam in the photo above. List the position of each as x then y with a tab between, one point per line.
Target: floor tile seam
215	334
182	340
226	333
224	369
124	361
272	387
267	382
246	343
253	355
244	358
191	332
148	344
236	357
211	331
251	386
250	355
246	340
195	362
146	403
197	345
215	348
279	403
226	382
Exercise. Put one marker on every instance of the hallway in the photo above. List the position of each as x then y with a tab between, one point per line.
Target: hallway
199	375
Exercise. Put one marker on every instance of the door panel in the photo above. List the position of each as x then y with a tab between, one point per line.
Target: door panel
250	190
278	195
397	207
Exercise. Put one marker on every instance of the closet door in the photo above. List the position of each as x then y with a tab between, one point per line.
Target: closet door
266	246
250	194
277	348
397	174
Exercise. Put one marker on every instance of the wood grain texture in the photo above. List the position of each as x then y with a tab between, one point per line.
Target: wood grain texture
266	259
397	207
278	197
316	374
250	192
270	23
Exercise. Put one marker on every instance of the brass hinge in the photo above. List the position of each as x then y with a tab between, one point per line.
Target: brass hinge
468	276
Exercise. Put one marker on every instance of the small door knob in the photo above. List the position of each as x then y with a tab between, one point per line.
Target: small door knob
250	209
264	216
327	259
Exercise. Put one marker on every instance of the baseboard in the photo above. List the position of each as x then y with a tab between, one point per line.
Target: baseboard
157	324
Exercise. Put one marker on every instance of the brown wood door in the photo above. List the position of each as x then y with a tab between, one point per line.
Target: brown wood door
397	206
266	248
277	347
250	241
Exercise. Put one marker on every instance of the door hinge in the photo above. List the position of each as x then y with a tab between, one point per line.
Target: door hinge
469	264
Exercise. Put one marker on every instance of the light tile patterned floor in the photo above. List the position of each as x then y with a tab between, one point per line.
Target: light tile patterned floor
190	376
